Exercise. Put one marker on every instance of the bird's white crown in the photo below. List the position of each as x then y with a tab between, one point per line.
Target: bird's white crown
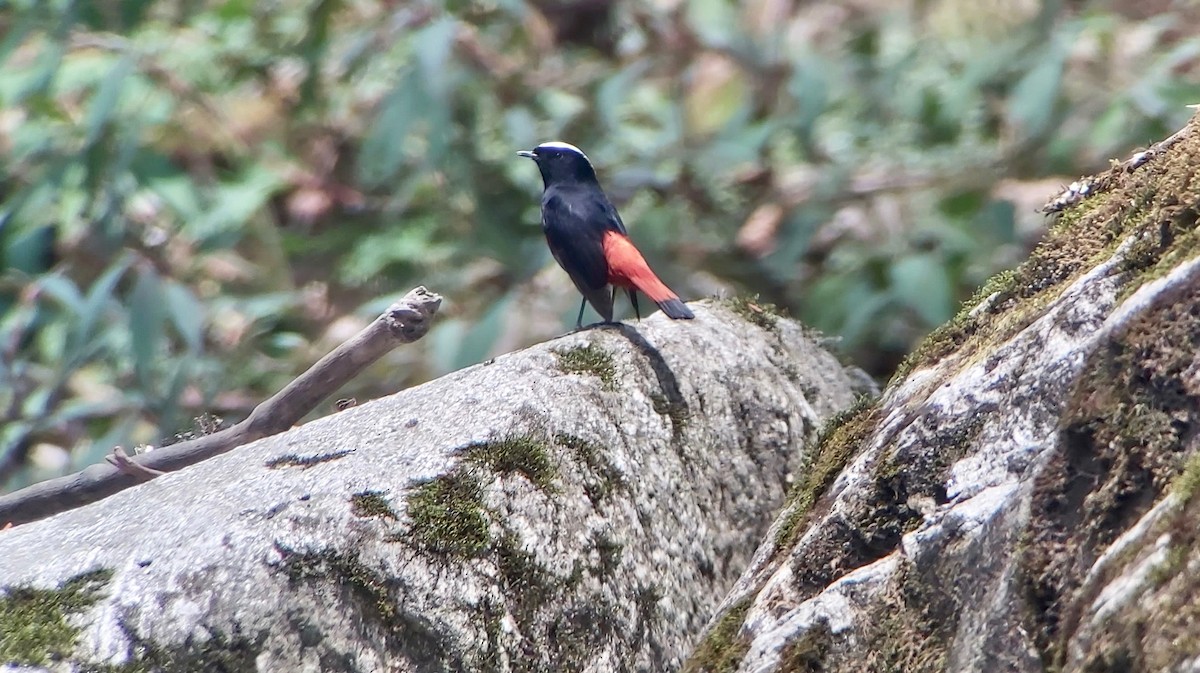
560	145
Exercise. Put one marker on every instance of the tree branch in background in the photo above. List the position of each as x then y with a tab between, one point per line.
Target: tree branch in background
404	322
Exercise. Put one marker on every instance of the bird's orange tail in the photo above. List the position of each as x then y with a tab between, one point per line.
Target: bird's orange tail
627	268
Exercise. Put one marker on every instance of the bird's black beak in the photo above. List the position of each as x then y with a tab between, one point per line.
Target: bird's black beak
528	154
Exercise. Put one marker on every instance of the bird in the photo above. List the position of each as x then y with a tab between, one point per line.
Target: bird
588	239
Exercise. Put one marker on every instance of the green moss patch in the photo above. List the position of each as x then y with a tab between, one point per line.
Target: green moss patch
348	569
544	610
723	647
372	504
34	626
521	454
589	359
1126	428
903	482
447	516
808	652
610	552
1156	630
526	582
754	311
1169	620
604	478
839	441
1155	207
305	462
916	624
1011	300
1186	484
372	592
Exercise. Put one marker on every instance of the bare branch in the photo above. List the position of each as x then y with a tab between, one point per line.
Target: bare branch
404	322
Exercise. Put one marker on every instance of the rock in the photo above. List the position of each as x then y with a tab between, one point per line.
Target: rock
580	505
1023	495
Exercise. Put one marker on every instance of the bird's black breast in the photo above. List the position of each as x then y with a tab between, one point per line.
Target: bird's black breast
575	220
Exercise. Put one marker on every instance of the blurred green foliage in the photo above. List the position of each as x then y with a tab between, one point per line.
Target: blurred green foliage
201	197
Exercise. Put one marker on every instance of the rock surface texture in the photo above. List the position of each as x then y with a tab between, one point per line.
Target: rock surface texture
1024	496
582	505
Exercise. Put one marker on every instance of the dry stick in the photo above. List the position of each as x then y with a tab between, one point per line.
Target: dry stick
404	322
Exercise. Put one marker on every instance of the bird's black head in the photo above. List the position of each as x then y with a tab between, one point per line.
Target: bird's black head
561	163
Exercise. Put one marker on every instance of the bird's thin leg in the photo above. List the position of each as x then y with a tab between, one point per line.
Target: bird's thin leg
633	300
579	320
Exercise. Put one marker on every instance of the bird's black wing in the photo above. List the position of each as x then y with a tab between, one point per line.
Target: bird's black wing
613	219
574	229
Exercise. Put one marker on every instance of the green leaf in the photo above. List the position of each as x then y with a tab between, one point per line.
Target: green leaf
264	307
231	10
792	241
736	146
521	126
176	188
921	283
42	74
235	203
432	45
408	242
180	374
78	409
996	222
1034	100
147	323
108	95
63	290
962	204
825	306
809	87
517	8
16	34
32	251
869	308
614	91
99	297
383	151
187	314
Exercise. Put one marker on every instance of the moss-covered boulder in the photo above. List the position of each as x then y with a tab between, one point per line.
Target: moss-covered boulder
580	505
1023	497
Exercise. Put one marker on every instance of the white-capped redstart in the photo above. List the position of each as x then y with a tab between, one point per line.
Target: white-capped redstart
588	239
